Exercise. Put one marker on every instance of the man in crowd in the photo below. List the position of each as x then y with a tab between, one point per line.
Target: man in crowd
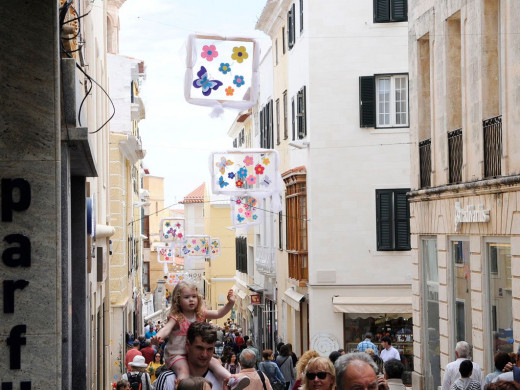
357	371
200	345
394	373
248	362
388	351
367	343
249	345
148	352
131	353
462	352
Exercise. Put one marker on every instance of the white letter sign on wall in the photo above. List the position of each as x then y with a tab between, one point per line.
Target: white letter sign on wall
470	215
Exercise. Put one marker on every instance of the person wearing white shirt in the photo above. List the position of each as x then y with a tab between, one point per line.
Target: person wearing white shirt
451	374
388	351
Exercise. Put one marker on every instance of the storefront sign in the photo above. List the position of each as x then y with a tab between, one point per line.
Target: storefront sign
16	197
255	299
470	215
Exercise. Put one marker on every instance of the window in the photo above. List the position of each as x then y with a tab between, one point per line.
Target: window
499	297
296	224
241	138
393	220
283	40
235	144
277	121
241	254
285	129
280	231
291	27
383	101
390	11
293	118
461	290
276	52
146	276
301	17
266	126
301	115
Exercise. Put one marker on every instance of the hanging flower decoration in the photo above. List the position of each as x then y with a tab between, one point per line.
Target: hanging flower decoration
209	52
248	161
259	169
247	214
229	91
239	81
239	201
242	173
266	161
251	180
239	183
231	175
224	68
239	54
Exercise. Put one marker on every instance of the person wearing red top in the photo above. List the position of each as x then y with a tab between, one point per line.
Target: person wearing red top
239	340
148	352
129	357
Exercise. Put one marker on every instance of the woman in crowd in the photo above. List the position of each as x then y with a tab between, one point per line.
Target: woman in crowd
501	359
154	365
271	370
232	365
300	367
285	362
319	374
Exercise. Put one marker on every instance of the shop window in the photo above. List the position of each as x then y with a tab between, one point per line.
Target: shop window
432	366
399	329
500	298
461	276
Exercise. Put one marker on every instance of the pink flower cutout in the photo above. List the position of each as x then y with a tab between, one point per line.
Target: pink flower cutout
251	180
193	241
209	52
259	169
248	161
179	235
240	210
239	201
248	214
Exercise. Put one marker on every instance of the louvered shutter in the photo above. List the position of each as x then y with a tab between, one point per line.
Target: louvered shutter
381	11
367	101
301	16
399	10
402	220
293	118
270	142
384	220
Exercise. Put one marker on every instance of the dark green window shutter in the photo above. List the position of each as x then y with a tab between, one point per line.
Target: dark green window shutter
384	220
402	220
301	16
381	11
293	117
367	101
399	10
301	106
270	142
291	26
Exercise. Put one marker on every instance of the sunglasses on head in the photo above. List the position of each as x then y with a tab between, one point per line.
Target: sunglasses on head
321	375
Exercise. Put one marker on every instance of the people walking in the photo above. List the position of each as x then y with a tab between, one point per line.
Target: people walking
271	370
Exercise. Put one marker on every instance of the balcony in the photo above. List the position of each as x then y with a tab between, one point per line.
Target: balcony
425	162
492	146
455	155
265	259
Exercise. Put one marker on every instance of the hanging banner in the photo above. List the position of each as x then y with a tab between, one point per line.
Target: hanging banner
241	172
195	246
171	229
214	248
245	211
221	72
165	254
174	278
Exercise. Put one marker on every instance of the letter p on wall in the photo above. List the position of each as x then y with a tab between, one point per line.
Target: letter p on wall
16	196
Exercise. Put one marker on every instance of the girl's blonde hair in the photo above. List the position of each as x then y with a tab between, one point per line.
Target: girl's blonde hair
303	360
193	383
175	309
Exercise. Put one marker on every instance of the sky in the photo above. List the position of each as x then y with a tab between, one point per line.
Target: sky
178	137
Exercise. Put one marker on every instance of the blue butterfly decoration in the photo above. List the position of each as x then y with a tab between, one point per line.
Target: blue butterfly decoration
205	83
266	182
185	250
222	183
240	218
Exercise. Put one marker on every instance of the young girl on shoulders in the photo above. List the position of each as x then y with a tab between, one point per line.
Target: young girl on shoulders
187	307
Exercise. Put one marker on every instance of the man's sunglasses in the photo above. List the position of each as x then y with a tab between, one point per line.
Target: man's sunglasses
321	375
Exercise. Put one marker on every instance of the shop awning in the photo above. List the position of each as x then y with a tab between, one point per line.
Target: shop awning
293	298
363	307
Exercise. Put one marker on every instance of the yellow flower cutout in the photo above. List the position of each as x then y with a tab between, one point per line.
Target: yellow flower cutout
239	54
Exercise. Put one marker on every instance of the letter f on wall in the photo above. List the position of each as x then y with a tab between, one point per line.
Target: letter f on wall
15	342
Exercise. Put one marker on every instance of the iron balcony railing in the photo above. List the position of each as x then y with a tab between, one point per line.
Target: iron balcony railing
492	146
425	162
455	155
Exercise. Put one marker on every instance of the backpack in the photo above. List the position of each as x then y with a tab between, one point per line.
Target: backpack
135	381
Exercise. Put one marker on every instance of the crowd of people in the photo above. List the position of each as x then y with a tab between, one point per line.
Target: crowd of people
223	358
